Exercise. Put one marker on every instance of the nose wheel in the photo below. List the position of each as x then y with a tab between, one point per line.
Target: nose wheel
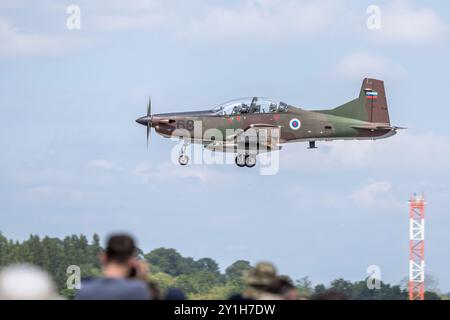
243	160
183	159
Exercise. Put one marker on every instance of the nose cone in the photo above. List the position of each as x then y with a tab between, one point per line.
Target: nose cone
145	120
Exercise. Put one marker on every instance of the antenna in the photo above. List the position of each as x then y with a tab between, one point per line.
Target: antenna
416	247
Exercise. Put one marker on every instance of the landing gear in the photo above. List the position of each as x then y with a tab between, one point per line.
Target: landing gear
312	145
183	159
250	161
240	160
245	160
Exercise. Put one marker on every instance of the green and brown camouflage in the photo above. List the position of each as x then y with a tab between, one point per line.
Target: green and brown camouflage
364	118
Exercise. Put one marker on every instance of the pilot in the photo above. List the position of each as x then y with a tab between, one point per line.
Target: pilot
283	107
253	107
273	107
256	109
245	108
236	110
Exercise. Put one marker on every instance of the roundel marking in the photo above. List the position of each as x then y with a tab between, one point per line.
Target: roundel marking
295	124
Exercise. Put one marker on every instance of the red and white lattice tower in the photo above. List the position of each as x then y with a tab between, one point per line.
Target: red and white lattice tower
416	248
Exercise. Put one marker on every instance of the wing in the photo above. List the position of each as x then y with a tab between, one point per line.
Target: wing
266	135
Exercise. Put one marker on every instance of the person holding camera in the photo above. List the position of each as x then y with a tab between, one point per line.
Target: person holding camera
124	275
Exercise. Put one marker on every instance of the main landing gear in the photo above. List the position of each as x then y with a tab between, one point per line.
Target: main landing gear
183	159
312	145
245	160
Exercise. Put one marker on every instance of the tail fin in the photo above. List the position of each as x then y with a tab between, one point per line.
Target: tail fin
371	105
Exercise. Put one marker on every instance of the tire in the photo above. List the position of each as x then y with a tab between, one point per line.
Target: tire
183	160
240	160
250	161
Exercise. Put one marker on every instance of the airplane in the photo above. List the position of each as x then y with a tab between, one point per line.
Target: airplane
364	118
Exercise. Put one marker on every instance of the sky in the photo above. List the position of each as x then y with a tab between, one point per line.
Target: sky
74	161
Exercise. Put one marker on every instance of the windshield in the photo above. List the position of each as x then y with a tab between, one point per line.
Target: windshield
250	105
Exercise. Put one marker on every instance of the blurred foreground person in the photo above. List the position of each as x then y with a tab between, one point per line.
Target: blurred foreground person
174	294
26	282
123	274
257	281
288	290
281	289
330	295
155	290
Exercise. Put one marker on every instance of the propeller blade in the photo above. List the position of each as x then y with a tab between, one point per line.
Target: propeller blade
149	123
148	133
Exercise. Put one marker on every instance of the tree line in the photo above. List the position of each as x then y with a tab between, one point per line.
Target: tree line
199	279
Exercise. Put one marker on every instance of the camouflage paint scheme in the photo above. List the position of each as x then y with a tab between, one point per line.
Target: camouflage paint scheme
364	118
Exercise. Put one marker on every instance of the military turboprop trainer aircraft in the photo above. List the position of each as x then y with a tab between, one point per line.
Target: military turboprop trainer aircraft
365	118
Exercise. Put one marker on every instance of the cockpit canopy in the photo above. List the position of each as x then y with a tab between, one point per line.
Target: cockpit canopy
250	105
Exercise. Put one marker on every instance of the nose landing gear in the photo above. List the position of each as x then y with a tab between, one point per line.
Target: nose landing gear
183	159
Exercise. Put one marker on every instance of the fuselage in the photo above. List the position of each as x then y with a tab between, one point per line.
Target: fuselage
199	126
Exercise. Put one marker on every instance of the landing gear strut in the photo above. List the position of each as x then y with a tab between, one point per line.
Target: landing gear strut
245	160
312	145
183	159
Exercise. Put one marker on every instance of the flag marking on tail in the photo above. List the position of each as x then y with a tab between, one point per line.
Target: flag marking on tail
370	94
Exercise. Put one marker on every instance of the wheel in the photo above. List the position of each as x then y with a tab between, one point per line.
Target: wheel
183	160
250	161
240	160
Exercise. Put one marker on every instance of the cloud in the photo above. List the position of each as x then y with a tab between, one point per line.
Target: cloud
264	18
138	14
42	191
403	23
122	22
256	18
60	194
360	64
104	165
372	193
399	153
16	43
169	171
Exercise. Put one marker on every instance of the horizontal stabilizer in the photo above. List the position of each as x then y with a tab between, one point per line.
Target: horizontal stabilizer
379	128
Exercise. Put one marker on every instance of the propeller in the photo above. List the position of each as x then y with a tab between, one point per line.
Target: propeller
147	120
149	116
